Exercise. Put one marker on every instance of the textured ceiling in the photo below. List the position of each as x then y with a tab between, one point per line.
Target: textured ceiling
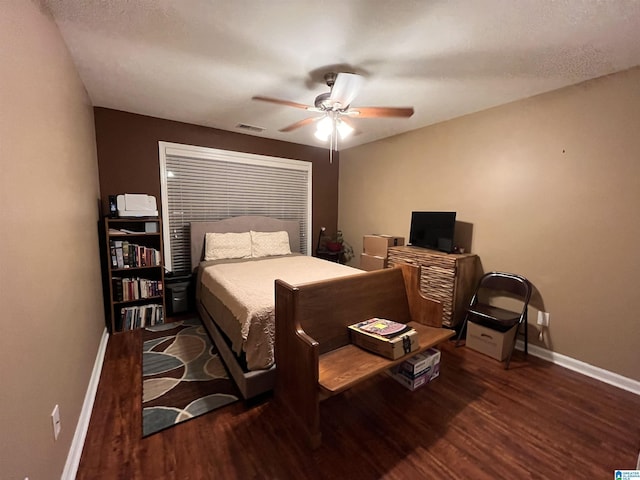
201	61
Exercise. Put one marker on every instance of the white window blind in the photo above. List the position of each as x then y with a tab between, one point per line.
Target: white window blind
200	183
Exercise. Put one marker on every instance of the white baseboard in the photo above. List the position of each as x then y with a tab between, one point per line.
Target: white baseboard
598	373
75	452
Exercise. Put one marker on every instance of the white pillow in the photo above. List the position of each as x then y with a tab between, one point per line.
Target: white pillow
219	246
264	244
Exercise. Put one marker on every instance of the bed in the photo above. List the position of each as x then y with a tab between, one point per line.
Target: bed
235	296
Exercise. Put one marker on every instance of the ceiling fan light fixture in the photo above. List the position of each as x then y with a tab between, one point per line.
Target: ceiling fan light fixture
324	128
322	136
330	125
344	129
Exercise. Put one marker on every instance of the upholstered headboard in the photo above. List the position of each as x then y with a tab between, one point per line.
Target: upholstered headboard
239	225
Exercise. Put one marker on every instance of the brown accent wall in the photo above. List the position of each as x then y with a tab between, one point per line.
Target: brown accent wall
551	187
128	158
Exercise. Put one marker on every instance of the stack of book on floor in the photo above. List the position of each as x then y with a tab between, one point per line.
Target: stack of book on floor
418	370
384	337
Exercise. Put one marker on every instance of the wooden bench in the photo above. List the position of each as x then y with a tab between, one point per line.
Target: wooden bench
313	353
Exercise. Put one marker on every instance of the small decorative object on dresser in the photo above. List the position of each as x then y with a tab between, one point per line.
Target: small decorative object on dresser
133	273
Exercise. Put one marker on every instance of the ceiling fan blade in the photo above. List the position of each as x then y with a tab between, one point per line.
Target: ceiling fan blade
300	123
379	112
282	102
345	88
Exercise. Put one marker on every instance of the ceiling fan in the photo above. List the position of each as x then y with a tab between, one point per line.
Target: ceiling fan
336	108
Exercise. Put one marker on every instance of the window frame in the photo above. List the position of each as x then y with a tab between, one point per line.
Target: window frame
204	153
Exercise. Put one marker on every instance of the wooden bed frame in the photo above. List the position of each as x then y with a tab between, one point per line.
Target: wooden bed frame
250	383
313	352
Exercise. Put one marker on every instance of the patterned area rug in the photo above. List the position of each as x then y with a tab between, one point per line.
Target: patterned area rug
182	375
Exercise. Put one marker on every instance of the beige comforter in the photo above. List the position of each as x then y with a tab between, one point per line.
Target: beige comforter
247	290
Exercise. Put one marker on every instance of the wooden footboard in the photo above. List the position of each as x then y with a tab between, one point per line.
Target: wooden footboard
313	353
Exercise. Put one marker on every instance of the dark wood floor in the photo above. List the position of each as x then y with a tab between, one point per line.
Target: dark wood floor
476	421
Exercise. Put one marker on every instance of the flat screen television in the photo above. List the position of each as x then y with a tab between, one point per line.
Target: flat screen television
433	230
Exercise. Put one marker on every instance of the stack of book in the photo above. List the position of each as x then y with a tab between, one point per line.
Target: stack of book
141	316
418	370
130	255
384	337
127	289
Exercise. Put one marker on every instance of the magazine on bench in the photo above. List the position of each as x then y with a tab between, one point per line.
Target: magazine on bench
384	337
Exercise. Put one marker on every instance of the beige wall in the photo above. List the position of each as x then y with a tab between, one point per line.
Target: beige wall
551	185
50	287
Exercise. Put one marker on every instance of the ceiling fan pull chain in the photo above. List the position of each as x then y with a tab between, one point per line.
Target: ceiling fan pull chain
335	126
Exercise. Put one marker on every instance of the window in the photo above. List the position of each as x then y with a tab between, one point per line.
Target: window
199	184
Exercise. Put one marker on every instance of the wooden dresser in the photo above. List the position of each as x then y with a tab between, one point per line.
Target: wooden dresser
446	277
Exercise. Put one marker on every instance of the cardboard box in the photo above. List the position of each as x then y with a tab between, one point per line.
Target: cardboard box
490	342
421	363
413	383
377	245
392	348
410	383
370	262
401	373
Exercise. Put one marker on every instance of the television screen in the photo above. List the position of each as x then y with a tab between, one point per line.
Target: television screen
433	230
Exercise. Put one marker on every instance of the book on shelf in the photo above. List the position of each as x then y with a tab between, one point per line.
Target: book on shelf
113	255
125	254
119	253
141	316
128	289
117	289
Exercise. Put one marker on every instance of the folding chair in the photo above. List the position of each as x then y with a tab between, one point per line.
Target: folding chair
482	311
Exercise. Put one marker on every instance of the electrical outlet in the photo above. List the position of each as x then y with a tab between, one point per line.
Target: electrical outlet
543	319
55	419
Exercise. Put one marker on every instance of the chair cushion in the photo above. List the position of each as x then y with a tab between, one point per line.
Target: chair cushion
494	316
